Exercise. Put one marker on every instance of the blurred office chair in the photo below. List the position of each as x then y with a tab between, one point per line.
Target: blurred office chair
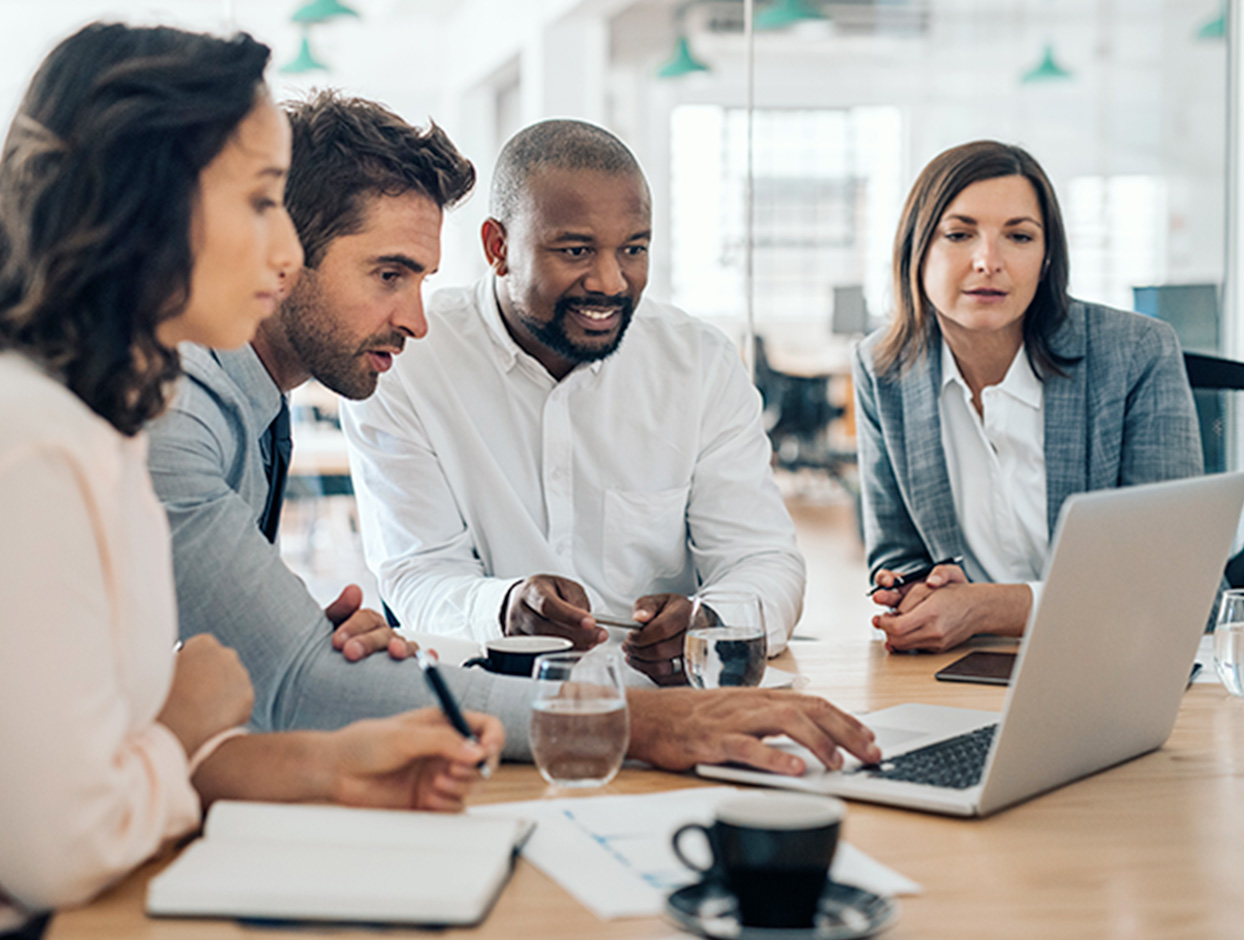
798	414
1214	382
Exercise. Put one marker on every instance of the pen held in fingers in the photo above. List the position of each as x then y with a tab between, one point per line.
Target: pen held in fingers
618	622
428	663
919	574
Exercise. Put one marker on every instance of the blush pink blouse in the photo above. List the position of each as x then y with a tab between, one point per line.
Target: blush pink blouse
91	784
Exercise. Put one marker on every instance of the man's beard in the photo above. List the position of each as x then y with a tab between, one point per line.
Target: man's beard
553	333
333	357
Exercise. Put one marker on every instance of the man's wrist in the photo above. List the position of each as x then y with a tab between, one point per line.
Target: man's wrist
637	701
505	608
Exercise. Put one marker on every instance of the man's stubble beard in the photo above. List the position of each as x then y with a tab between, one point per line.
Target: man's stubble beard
327	352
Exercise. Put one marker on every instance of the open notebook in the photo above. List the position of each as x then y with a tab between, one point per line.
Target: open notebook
334	863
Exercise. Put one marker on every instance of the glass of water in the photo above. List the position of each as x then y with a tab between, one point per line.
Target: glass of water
1229	641
580	726
725	643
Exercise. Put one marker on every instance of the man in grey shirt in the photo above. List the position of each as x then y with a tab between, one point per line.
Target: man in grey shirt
366	193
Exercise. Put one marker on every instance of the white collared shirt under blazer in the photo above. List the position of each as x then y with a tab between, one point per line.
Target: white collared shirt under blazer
91	784
645	473
996	463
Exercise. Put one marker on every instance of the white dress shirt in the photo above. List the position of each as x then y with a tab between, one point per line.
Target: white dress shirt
996	463
644	473
91	783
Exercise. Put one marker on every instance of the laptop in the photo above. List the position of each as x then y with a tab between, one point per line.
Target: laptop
1101	670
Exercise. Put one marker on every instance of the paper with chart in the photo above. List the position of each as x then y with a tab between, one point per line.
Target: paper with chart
613	852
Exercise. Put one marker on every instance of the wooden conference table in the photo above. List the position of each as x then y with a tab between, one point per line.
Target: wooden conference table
1153	848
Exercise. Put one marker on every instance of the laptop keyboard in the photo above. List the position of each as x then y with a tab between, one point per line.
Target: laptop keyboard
957	763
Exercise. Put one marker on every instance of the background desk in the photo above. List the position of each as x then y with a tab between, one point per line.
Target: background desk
1153	848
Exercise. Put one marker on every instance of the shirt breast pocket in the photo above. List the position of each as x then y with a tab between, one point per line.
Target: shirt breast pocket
645	539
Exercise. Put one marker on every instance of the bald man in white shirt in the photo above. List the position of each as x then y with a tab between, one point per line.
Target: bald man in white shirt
579	450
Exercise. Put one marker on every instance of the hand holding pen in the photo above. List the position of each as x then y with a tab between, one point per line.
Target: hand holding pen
449	705
906	578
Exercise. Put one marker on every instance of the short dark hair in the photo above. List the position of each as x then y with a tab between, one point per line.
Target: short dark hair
558	144
98	181
348	149
914	327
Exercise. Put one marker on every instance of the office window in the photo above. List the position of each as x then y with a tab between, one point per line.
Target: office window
827	194
1117	229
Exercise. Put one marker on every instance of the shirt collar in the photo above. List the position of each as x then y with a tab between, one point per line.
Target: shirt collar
1020	382
248	372
507	351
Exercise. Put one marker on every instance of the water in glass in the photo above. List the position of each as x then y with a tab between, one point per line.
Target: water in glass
725	644
725	656
1229	642
579	721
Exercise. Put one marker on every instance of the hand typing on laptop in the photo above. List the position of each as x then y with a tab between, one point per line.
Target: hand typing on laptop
675	729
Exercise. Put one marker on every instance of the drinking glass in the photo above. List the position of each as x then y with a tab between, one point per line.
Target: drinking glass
725	643
579	722
1229	641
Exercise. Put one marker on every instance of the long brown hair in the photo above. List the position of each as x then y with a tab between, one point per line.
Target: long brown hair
98	181
914	327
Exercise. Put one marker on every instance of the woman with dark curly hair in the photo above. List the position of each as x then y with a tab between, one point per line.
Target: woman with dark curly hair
141	205
993	395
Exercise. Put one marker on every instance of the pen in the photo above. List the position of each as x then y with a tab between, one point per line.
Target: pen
916	575
427	662
618	622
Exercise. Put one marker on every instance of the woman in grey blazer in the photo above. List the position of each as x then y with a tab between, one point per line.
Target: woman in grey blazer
992	396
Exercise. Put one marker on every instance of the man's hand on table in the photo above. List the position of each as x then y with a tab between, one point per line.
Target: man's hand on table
657	649
675	729
360	631
550	605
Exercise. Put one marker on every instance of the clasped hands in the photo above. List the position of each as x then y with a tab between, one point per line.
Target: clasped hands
945	609
548	604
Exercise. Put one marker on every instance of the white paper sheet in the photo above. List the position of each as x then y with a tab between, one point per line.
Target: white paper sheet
1205	656
613	854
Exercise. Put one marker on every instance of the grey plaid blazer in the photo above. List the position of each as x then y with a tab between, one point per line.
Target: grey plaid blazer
1122	415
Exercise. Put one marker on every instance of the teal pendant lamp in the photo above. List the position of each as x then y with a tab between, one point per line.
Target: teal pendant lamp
783	13
305	61
1048	70
682	62
312	13
318	11
1217	27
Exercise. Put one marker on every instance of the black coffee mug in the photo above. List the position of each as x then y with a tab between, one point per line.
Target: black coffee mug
515	655
772	851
